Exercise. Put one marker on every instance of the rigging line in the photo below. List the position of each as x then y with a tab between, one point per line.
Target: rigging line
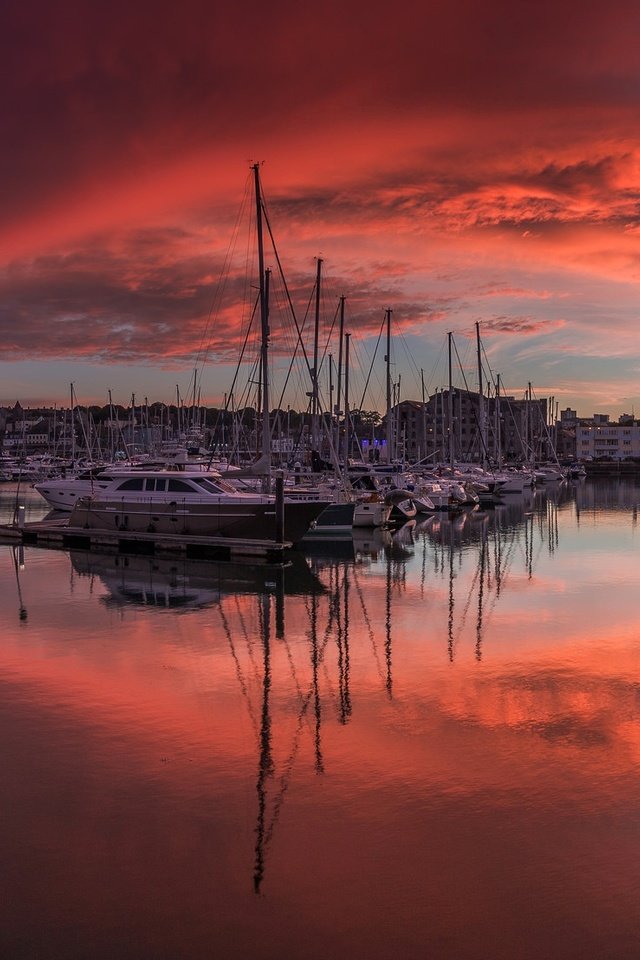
328	338
287	771
464	378
253	365
294	351
504	555
334	603
488	370
370	360
465	609
239	676
241	358
292	664
203	350
286	380
284	282
292	667
329	625
288	766
357	349
333	696
438	361
247	636
496	594
409	353
382	327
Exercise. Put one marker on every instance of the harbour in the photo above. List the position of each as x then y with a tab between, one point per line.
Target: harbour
413	741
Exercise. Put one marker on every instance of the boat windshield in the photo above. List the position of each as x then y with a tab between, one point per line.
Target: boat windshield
364	481
217	485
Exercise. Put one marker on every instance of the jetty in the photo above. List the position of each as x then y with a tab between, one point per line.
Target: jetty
612	468
58	533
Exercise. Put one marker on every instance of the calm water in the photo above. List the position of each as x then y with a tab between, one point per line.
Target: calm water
428	747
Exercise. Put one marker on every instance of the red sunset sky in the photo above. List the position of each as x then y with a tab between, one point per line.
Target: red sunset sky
459	163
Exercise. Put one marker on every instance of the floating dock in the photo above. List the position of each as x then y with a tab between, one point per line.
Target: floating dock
58	534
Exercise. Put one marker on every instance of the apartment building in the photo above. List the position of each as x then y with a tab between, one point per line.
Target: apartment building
600	438
460	424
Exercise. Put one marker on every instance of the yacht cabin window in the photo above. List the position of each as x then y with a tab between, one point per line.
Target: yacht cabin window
134	484
180	486
156	483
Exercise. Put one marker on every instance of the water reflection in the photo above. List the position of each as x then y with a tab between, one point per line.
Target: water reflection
181	584
400	744
17	553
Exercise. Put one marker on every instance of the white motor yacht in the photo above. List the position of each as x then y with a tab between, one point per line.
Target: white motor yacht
188	502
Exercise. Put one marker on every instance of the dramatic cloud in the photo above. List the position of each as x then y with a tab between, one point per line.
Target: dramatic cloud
457	163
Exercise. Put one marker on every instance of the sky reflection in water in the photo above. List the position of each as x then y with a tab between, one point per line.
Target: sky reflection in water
427	748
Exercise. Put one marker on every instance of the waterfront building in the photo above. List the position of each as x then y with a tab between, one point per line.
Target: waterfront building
565	435
600	438
504	428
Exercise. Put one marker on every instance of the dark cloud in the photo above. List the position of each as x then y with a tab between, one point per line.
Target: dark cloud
91	92
100	305
519	325
147	298
590	175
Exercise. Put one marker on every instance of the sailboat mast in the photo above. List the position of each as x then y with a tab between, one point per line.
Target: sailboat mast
389	422
266	425
481	411
450	405
263	281
347	339
529	422
315	439
73	429
423	452
498	424
339	374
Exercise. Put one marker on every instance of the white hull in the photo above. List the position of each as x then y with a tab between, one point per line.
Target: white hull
371	514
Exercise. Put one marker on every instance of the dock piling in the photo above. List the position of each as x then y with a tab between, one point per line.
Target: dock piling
279	506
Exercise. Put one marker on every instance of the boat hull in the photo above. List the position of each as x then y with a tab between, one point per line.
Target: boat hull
371	513
335	518
254	521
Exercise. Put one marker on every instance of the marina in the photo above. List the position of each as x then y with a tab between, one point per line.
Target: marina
411	741
320	482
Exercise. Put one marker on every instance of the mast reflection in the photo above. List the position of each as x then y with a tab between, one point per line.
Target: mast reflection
265	759
495	536
314	648
18	565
